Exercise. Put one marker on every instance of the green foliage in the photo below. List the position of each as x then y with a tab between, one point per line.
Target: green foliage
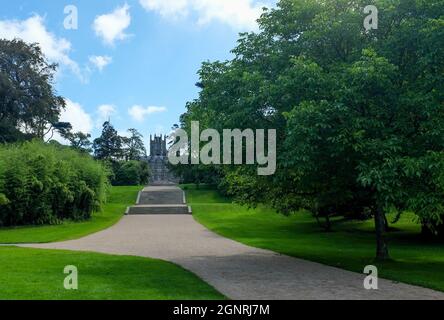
350	246
118	199
131	173
197	174
359	114
133	146
3	200
79	141
28	102
24	272
111	147
108	146
45	184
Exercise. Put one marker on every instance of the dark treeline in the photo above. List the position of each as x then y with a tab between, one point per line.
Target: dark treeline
359	114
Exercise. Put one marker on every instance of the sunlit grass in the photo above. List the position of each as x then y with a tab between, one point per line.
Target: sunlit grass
350	246
36	274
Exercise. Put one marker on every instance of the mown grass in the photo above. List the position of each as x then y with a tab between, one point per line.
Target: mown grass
36	274
119	199
350	246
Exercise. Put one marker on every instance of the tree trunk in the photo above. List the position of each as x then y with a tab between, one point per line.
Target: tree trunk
386	224
316	215
327	223
327	226
441	231
382	252
428	234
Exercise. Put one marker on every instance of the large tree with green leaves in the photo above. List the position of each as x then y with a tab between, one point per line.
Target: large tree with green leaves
359	114
134	148
29	105
109	146
80	141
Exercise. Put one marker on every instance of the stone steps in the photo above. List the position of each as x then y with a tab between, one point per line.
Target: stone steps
160	200
161	197
159	209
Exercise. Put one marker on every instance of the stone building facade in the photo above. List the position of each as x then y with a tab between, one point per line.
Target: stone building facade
158	161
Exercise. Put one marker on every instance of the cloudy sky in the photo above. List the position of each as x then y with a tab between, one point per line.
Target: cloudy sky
133	61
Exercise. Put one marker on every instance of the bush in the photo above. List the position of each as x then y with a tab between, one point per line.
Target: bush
131	173
45	184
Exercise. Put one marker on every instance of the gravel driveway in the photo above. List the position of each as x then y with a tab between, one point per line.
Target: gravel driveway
236	270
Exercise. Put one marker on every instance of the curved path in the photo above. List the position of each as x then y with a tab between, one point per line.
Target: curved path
236	270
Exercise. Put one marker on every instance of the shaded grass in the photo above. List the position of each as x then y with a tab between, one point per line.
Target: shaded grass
118	200
350	246
38	275
208	195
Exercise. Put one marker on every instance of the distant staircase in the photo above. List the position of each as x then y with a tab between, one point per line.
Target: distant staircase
160	200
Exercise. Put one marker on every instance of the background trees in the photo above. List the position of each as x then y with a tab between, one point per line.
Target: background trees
131	173
80	141
109	145
134	148
359	114
29	105
124	155
45	183
40	183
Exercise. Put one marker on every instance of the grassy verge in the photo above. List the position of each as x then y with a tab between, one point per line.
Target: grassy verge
350	246
38	275
119	198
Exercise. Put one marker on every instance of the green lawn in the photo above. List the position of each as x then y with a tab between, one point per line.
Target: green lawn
118	200
38	275
351	246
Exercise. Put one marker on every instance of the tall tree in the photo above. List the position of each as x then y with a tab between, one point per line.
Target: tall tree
29	105
80	141
359	114
109	145
134	148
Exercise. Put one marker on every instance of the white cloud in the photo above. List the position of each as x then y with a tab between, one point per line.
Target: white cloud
239	14
124	133
80	120
33	30
104	112
111	27
138	113
100	62
167	8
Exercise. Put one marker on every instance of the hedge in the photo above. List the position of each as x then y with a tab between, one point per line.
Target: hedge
46	184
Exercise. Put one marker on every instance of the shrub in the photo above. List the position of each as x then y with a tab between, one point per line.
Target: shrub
45	184
131	173
3	200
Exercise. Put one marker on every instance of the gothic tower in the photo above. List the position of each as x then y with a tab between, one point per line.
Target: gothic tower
158	146
158	161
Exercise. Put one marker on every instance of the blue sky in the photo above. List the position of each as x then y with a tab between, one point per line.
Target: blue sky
132	61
